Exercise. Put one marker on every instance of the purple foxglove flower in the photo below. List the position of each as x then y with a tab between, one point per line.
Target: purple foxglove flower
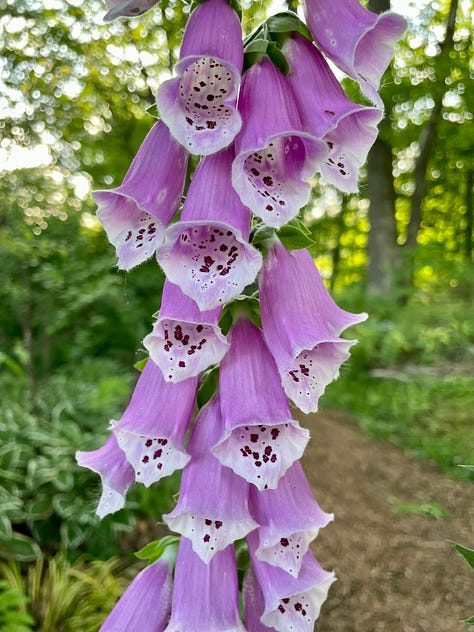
205	596
348	129
184	341
254	604
273	153
127	8
360	42
301	324
199	105
290	603
152	429
289	519
213	508
136	213
207	253
260	440
115	471
146	604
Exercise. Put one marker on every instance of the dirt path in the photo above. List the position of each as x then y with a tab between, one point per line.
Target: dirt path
395	572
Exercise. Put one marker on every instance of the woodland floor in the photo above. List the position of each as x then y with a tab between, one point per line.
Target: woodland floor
396	571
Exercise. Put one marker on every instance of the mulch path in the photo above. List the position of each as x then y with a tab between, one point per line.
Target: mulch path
395	572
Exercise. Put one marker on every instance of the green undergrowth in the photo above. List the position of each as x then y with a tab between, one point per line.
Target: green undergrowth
53	595
48	502
410	379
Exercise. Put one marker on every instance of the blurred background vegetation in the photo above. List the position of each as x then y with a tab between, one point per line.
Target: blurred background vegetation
73	99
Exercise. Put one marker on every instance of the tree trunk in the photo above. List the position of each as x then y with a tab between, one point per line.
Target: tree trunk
382	241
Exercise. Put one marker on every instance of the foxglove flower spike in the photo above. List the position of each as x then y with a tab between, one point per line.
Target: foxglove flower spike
136	213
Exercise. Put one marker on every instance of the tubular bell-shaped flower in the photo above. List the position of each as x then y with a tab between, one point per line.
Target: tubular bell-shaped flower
136	213
289	519
146	604
115	471
359	41
348	129
206	253
205	596
184	341
199	105
151	431
273	153
213	506
290	603
301	325
254	604
260	440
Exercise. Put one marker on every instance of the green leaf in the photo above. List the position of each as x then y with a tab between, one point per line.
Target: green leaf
293	237
287	22
64	481
233	309
209	384
72	535
140	365
21	548
278	58
261	233
5	528
468	554
153	111
469	621
155	549
258	45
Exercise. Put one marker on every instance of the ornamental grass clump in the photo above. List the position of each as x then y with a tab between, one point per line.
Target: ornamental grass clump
246	324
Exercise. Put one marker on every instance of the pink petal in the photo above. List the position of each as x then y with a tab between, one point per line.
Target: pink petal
206	254
260	440
289	518
205	596
301	324
135	214
115	472
151	431
212	509
291	603
199	105
184	341
274	155
146	604
360	42
348	129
